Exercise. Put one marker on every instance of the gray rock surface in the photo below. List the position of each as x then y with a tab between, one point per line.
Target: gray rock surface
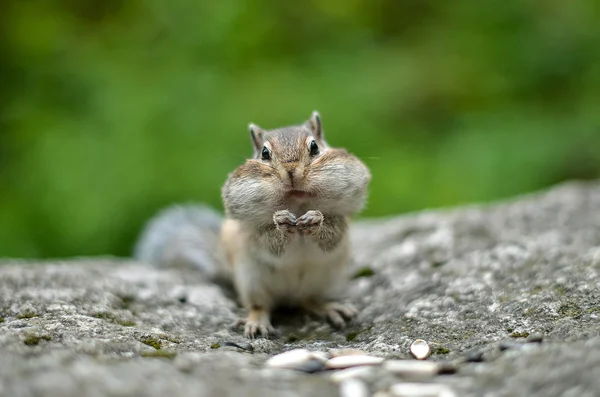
465	280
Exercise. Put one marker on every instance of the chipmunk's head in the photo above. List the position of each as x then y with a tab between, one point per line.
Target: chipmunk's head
293	168
291	152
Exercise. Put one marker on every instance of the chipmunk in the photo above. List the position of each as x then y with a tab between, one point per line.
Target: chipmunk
284	240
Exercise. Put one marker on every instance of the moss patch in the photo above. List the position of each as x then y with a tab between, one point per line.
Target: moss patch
569	309
350	336
126	301
363	272
536	290
159	354
215	346
151	341
170	339
1	319
560	290
112	318
27	314
104	316
441	350
34	339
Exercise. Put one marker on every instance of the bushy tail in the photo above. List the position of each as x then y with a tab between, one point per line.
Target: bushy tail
182	236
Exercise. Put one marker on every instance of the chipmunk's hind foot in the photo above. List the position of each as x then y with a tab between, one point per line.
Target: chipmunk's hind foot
338	313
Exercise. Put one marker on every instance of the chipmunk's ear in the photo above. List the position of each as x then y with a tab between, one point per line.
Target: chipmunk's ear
314	123
257	135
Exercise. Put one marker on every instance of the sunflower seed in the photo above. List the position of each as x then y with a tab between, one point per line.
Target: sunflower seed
361	372
411	367
420	349
290	359
354	388
421	390
353	361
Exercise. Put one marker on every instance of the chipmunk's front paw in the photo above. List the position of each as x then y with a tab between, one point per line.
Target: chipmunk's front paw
257	323
252	329
336	312
285	220
309	222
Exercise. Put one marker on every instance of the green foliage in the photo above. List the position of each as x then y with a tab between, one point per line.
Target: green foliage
112	109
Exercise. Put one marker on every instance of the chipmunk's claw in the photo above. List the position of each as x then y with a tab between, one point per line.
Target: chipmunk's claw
256	324
309	222
284	220
237	323
253	329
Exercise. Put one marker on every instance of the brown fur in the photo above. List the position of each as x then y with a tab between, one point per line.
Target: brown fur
270	262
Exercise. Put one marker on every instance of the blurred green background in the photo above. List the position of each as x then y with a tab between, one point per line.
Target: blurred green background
111	109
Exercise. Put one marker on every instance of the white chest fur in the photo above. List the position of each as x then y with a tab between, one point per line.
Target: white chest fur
302	272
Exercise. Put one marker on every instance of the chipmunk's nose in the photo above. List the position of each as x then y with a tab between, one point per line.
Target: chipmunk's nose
291	175
291	172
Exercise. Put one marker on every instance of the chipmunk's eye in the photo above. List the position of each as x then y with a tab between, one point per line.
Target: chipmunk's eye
266	155
314	148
